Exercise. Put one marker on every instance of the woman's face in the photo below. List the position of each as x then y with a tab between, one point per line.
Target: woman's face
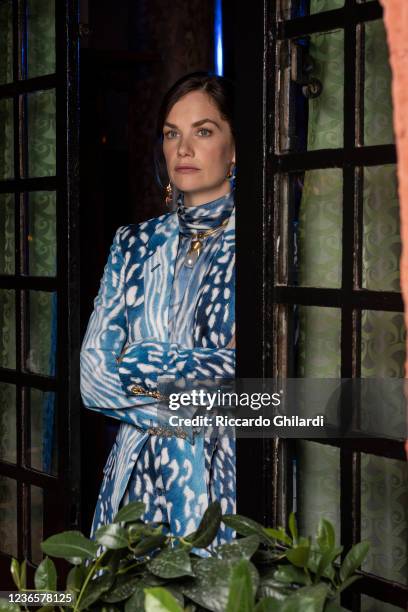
199	148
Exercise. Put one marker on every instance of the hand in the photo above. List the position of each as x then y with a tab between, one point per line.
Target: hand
231	343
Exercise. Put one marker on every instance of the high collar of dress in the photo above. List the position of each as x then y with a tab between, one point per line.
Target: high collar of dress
193	219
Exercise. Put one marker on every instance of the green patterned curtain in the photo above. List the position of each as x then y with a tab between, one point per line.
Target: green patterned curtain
384	488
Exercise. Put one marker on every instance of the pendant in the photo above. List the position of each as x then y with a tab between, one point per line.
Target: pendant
193	253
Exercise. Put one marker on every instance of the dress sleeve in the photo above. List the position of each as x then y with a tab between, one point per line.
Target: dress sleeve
146	362
106	334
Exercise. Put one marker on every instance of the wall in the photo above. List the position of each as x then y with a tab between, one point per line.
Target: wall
396	23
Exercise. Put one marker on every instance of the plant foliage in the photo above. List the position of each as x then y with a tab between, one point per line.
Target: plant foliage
134	566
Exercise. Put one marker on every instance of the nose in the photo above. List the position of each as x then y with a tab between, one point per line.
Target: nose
185	147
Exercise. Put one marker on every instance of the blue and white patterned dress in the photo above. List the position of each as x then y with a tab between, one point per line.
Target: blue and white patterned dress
174	322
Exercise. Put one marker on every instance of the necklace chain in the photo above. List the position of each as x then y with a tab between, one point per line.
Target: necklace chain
204	233
196	243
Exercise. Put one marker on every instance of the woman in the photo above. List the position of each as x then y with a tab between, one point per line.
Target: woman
165	309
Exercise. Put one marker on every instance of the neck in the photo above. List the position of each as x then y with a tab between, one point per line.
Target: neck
196	198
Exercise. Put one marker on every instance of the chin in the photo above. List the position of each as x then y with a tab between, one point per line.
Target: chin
189	183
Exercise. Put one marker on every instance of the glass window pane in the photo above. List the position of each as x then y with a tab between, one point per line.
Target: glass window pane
369	604
6	42
381	229
42	241
43	332
7	329
7	233
318	345
311	123
6	139
37	513
377	86
42	444
382	344
41	133
320	229
384	516
318	6
318	488
325	126
8	516
290	9
41	37
8	441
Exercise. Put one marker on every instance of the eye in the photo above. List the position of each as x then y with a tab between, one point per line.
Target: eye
204	132
170	134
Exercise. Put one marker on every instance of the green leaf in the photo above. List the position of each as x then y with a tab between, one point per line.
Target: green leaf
136	602
210	588
353	560
23	575
268	556
208	527
159	600
246	526
74	560
326	537
241	596
324	567
15	572
113	559
307	599
152	580
302	541
278	534
268	605
321	563
171	563
76	578
6	606
177	594
348	583
293	527
298	556
124	586
70	544
289	574
112	536
271	588
45	577
135	531
130	512
149	544
95	588
243	548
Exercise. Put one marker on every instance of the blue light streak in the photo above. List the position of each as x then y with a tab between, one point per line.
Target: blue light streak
218	50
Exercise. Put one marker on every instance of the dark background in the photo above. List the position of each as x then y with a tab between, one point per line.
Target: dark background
132	51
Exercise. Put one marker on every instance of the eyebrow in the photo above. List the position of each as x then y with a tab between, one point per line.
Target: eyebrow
195	124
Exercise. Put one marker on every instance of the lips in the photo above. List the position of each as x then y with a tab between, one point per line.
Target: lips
186	169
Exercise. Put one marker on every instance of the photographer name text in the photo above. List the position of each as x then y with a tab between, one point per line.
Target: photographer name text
221	420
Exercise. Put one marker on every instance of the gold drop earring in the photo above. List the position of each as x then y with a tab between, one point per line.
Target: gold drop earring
169	195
